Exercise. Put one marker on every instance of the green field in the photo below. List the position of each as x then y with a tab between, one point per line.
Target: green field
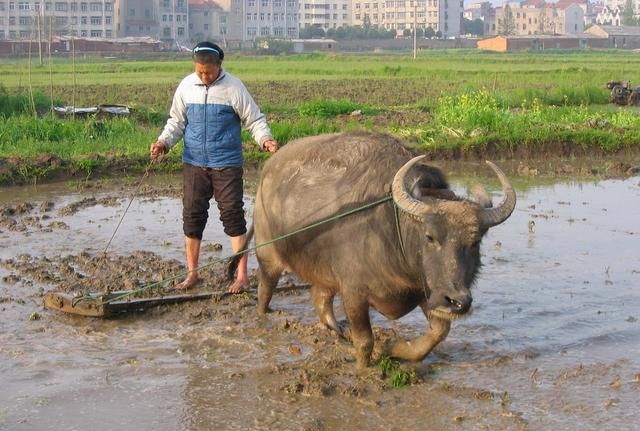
455	100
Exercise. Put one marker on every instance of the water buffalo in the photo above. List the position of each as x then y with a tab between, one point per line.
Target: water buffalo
423	251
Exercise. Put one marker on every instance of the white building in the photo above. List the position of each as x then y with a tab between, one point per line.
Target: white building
31	19
251	19
444	16
325	14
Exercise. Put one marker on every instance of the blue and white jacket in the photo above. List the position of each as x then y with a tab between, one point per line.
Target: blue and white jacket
210	120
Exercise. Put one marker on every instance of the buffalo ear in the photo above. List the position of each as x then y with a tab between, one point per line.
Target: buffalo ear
481	197
445	194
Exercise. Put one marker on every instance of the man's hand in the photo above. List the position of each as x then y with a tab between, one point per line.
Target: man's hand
270	145
157	150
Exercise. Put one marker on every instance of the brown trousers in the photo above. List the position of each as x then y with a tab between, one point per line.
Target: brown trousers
199	186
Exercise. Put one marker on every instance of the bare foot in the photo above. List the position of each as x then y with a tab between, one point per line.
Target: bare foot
238	286
191	280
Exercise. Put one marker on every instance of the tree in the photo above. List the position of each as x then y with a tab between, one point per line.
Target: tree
508	25
429	33
475	27
311	32
628	14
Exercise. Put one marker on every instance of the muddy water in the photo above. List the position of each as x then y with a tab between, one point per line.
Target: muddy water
553	342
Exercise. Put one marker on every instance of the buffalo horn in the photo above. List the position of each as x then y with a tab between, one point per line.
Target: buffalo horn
404	199
494	216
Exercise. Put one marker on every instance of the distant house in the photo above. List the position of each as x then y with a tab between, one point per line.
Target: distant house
624	37
307	45
542	42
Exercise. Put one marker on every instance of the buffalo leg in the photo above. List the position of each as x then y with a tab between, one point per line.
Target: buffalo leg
323	301
267	281
418	348
357	311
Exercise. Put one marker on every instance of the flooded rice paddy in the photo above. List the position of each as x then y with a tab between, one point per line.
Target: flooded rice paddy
553	342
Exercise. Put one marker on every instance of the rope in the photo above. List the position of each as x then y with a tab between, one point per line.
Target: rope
135	193
241	252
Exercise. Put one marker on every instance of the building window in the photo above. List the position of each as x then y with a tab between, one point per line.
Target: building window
277	3
23	5
96	33
264	31
96	20
109	33
166	32
164	18
95	7
83	7
251	3
265	3
251	31
74	7
180	31
206	26
83	20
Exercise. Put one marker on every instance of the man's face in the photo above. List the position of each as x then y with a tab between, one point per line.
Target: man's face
207	72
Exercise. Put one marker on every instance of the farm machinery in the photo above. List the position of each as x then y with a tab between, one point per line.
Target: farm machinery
622	93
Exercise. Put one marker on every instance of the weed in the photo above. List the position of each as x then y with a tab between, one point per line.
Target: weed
331	108
395	375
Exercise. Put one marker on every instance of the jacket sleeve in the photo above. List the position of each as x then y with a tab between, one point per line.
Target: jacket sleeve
250	115
174	129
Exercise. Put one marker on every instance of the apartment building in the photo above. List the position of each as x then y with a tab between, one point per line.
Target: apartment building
166	20
251	19
478	10
538	18
24	20
325	14
444	16
207	20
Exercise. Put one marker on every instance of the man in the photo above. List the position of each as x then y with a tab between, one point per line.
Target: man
209	108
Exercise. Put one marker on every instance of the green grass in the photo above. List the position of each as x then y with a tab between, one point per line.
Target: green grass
452	99
394	375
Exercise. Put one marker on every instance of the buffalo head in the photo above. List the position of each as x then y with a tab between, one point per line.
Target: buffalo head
442	236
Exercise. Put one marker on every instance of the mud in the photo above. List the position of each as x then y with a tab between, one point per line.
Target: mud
553	342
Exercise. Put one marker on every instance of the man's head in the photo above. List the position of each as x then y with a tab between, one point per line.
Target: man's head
207	59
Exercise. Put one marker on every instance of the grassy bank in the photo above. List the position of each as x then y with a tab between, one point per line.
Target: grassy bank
447	103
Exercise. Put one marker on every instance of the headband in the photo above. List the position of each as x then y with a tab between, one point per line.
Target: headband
205	48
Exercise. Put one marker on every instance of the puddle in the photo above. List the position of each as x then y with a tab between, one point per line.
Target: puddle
553	342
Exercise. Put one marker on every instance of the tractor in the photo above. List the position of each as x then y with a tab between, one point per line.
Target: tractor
623	94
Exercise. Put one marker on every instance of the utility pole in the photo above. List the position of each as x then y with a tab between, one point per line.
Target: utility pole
39	36
415	28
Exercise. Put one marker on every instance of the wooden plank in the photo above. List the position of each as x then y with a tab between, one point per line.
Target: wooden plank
97	305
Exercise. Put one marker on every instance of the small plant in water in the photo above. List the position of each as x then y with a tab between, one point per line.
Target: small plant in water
394	374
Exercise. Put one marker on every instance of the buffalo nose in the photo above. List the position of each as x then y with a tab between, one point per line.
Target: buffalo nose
460	304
